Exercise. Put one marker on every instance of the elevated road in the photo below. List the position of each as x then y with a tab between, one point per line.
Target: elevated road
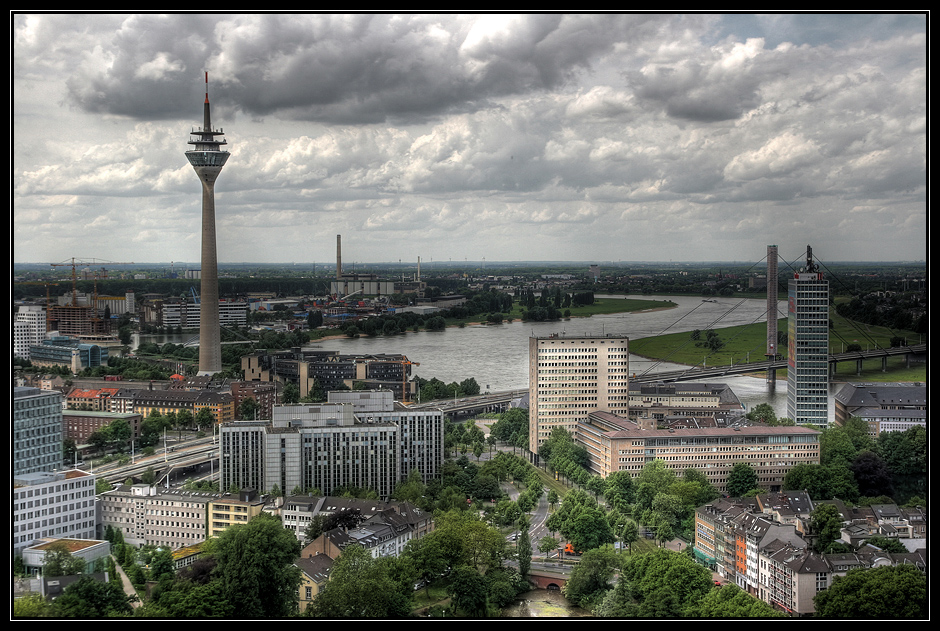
699	373
491	402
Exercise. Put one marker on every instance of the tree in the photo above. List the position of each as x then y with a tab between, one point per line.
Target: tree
618	603
588	529
88	598
161	564
204	418
872	475
524	547
290	394
360	587
590	578
763	413
58	561
184	418
655	477
99	439
663	568
895	592
119	432
741	479
33	605
619	491
468	592
547	544
247	409
427	556
730	601
348	518
886	544
630	534
826	525
552	497
822	482
255	565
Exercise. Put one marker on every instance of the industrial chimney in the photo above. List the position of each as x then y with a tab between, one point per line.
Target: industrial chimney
339	259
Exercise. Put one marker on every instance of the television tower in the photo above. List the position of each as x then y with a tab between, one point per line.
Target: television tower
207	159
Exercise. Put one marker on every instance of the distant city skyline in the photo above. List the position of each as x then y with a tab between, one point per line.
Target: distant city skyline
498	138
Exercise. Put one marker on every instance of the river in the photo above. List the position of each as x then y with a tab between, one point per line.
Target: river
497	356
543	603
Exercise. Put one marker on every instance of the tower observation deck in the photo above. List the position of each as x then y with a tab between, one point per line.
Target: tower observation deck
208	158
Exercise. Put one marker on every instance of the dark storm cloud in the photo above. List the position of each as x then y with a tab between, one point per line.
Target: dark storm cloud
341	68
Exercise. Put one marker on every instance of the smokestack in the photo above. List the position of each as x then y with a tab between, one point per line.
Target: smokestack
419	269
339	258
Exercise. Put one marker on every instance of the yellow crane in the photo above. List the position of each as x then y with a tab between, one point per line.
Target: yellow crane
74	262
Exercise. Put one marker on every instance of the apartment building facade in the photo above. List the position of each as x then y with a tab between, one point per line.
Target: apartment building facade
570	377
50	504
614	444
324	446
149	515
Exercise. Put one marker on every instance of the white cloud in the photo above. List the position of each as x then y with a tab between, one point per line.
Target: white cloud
449	132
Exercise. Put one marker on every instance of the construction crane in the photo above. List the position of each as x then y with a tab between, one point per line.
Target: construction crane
47	285
404	379
75	262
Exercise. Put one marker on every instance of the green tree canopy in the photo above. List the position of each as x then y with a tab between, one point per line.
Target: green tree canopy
88	598
58	561
590	578
826	525
897	592
730	601
255	565
662	568
741	479
360	587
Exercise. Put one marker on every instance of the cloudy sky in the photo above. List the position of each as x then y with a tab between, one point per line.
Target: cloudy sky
602	137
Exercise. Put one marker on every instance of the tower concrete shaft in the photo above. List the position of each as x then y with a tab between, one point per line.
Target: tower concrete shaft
208	159
772	349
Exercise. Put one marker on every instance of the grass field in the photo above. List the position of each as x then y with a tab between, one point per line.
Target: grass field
748	343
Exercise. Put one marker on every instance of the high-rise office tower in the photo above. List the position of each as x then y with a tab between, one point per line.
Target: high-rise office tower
207	159
808	345
37	430
570	377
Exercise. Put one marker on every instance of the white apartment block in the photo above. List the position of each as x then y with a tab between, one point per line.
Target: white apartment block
148	515
570	377
361	439
29	329
187	316
58	505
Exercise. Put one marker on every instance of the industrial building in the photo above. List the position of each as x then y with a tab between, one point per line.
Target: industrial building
67	351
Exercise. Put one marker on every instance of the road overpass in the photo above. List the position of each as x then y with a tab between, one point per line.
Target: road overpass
477	404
